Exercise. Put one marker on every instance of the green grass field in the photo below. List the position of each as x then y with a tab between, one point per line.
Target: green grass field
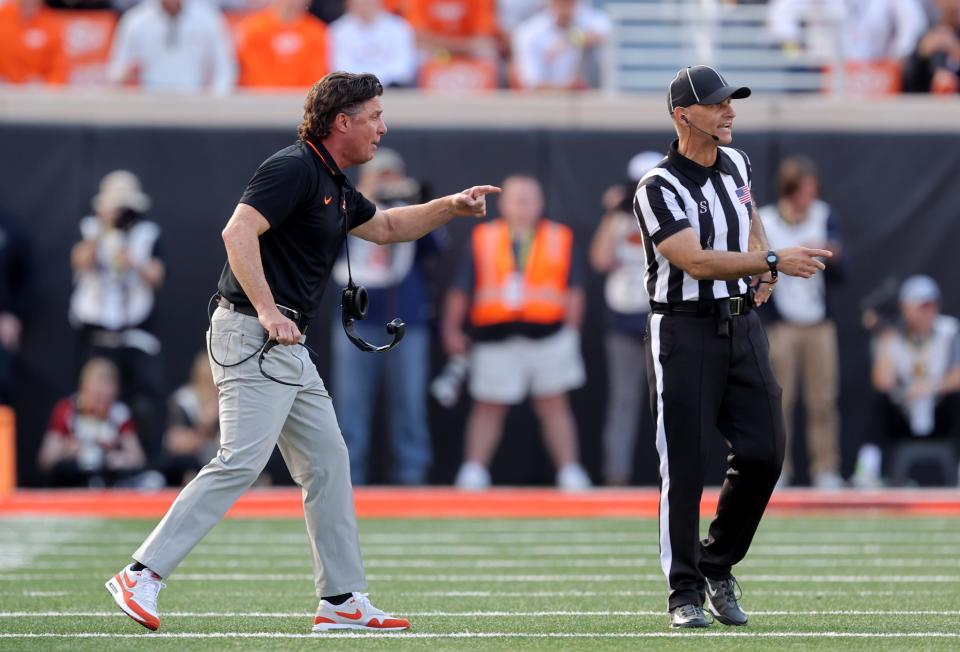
871	583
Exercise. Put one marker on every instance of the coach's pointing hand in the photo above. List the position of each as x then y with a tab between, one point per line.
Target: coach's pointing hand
473	201
279	328
801	261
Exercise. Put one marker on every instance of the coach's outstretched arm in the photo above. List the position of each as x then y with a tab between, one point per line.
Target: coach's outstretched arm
405	223
683	250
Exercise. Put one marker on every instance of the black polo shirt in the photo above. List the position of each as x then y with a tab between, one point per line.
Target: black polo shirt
299	191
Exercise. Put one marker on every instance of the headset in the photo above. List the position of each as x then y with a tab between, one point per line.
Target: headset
684	118
354	303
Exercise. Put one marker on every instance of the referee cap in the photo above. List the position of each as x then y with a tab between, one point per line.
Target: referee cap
701	85
919	289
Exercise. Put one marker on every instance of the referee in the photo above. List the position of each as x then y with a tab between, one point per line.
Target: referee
708	266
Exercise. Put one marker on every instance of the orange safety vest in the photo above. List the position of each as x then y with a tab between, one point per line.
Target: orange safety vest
542	292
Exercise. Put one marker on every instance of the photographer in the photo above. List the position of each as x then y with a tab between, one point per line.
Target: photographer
396	276
117	271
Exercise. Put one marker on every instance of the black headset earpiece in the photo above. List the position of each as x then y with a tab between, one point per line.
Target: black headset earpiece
353	307
354	300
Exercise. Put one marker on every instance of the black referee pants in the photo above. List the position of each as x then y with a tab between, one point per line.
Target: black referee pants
703	385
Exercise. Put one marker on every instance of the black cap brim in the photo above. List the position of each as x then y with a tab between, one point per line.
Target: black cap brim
722	93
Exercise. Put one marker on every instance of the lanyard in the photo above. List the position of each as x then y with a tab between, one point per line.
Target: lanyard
525	250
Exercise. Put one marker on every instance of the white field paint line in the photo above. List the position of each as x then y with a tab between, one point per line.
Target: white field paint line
466	614
615	593
657	577
647	562
15	557
614	523
588	537
477	635
480	578
493	551
584	535
531	594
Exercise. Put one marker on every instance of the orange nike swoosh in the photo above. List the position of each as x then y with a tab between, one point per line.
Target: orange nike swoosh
356	615
125	581
327	200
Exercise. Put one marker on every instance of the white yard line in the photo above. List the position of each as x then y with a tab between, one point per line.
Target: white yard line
586	536
439	531
646	561
844	591
469	614
487	577
280	551
16	554
525	635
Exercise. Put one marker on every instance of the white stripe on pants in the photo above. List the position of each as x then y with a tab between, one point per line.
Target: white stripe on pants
256	414
666	548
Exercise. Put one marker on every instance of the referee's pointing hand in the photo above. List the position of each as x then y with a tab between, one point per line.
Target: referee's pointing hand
801	261
473	201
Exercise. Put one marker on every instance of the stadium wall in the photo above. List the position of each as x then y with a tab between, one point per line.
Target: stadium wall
895	189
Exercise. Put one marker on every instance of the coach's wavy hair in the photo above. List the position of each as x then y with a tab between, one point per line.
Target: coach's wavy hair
338	92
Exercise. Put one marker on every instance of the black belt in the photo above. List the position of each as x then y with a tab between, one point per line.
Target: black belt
297	317
740	305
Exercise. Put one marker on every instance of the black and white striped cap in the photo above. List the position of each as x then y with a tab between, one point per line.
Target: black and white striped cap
701	85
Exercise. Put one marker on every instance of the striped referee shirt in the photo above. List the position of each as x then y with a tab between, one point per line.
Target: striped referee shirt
714	201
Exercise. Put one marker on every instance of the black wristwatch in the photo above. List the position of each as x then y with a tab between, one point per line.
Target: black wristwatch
772	261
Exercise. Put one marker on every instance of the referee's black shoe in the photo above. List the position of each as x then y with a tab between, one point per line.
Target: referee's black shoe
723	603
688	615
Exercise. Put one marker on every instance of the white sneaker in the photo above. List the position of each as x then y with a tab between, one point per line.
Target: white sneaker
135	592
356	613
572	477
866	481
828	480
472	477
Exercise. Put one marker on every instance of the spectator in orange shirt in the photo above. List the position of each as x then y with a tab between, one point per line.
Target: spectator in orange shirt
31	44
282	46
456	27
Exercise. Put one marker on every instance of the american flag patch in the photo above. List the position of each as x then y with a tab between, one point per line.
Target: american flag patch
743	194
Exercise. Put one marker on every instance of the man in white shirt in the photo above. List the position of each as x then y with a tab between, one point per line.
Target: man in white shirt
368	39
556	47
178	46
916	373
869	29
802	334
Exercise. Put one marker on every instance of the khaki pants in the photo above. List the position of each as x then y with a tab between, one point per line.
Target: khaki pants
808	354
255	415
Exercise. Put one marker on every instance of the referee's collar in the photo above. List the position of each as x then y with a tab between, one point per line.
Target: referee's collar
696	172
327	160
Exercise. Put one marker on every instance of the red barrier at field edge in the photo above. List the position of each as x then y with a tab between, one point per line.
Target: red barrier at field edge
428	502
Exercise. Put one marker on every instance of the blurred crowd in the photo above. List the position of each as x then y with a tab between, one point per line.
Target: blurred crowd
509	325
196	46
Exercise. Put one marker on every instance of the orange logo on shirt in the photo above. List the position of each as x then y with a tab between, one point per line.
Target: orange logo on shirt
327	200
